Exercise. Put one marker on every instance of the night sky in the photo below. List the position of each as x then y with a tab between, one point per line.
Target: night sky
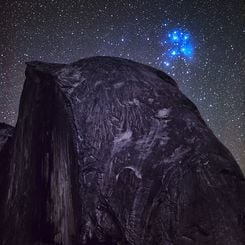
201	44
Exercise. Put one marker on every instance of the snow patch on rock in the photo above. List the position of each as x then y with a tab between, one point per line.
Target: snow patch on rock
121	140
118	85
163	113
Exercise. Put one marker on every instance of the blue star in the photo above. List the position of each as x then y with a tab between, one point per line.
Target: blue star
173	52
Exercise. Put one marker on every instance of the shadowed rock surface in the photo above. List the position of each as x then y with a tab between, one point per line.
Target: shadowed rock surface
109	151
6	132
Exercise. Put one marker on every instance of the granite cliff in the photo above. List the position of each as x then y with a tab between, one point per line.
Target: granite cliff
109	151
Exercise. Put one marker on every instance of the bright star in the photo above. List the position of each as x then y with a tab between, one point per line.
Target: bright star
175	37
174	52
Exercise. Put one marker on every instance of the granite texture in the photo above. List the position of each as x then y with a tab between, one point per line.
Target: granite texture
109	151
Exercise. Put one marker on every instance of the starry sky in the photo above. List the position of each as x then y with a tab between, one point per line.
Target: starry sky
200	43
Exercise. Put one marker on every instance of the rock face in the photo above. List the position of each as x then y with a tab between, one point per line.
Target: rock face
6	133
109	151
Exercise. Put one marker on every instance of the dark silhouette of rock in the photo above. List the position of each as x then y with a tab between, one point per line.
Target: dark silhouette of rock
6	132
109	151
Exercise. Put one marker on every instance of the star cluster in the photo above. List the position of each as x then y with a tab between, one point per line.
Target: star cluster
199	43
179	46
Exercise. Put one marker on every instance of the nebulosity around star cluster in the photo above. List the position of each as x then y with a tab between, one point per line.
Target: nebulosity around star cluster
177	44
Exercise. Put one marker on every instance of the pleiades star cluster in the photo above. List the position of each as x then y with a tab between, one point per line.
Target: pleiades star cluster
201	44
179	46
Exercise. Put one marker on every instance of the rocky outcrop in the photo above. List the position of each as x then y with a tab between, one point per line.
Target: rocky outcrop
109	151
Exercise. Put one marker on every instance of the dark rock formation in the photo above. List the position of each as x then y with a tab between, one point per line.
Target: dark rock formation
6	132
109	151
